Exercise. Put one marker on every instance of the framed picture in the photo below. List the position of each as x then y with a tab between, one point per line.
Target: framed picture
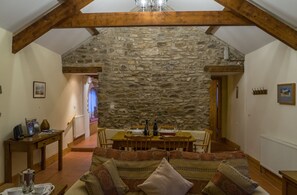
39	89
286	93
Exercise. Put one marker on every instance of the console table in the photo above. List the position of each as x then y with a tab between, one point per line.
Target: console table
289	182
29	144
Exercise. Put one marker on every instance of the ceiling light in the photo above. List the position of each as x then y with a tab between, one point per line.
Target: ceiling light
151	5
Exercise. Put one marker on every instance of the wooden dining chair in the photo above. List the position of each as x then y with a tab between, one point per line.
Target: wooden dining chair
102	141
176	142
137	127
203	147
138	142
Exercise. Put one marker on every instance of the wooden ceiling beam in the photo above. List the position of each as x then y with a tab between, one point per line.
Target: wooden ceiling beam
47	22
129	19
81	70
212	29
263	20
92	31
224	69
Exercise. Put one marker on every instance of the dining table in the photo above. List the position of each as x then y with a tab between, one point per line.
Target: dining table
119	140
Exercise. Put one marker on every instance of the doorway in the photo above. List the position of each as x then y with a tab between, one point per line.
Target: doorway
215	114
93	112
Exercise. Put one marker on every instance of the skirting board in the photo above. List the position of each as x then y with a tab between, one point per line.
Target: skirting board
230	143
268	175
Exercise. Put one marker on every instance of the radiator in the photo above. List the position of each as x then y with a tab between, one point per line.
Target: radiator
277	154
78	126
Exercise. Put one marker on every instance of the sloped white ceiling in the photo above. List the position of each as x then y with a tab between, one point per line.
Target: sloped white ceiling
15	14
244	39
62	40
284	9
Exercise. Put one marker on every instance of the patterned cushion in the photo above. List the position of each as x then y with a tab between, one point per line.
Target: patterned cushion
199	168
228	181
134	167
165	180
105	179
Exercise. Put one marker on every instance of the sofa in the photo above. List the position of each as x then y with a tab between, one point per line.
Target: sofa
134	168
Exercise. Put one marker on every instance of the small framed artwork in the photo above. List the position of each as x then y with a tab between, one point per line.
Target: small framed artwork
39	89
286	93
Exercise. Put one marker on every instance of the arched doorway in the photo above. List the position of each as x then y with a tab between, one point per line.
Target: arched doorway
93	106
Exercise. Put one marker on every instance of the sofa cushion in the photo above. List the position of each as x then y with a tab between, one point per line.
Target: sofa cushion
229	181
199	168
104	179
134	167
165	180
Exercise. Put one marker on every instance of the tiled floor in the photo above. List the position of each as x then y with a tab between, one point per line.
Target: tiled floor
76	164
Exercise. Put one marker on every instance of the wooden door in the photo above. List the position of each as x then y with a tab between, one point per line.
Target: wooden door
215	106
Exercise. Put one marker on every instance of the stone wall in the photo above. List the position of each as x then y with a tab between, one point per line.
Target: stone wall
153	72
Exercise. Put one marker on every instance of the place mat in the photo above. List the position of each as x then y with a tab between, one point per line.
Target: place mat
167	132
136	132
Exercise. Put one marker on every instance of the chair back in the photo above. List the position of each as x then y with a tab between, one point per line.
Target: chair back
176	142
207	139
204	146
138	142
137	127
101	138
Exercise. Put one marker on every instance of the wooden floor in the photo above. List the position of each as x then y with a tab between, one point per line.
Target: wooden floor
77	163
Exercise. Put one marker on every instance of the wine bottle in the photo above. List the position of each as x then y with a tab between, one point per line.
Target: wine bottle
155	128
146	128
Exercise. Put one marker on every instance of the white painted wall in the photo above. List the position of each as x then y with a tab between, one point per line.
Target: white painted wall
86	86
17	73
253	115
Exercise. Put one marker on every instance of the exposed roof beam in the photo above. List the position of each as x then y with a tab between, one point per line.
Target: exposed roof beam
92	31
224	69
212	29
47	22
129	19
263	20
81	70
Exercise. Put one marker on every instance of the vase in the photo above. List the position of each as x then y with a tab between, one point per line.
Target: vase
44	125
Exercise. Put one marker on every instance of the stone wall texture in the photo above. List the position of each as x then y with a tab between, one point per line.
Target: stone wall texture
153	72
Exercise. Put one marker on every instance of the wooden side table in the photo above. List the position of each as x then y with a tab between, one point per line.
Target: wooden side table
289	182
59	188
28	145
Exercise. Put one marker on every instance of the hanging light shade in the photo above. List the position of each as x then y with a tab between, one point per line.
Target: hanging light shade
151	5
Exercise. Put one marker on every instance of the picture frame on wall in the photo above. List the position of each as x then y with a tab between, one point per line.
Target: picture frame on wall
39	89
286	93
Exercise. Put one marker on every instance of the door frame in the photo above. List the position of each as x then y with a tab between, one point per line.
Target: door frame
216	107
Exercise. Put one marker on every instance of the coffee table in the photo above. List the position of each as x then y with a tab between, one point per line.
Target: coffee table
59	188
